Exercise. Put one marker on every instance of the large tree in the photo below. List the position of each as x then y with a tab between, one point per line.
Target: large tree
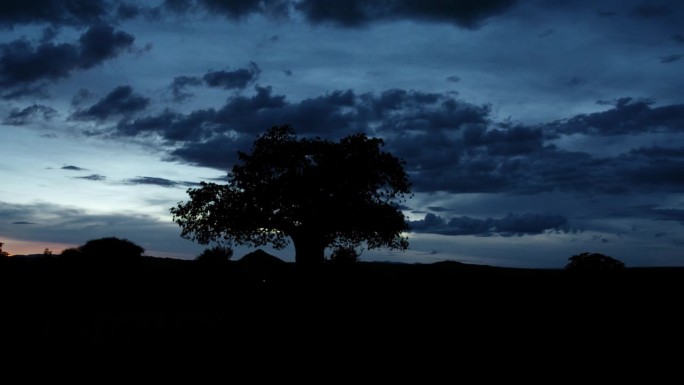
313	192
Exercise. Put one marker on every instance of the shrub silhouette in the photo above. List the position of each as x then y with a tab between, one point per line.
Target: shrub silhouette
109	249
3	253
215	255
313	192
594	262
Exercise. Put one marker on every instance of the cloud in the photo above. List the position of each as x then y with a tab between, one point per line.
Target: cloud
60	224
180	83
449	145
659	152
19	117
650	10
465	14
100	43
72	12
627	117
93	177
238	79
73	168
353	13
23	223
678	37
120	101
24	65
453	79
670	58
172	126
148	180
507	226
235	9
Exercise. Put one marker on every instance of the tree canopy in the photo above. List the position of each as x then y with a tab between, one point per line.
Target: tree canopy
316	193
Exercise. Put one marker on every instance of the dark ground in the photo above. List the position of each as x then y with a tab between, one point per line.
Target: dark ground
367	308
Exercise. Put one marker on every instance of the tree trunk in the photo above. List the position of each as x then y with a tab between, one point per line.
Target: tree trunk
309	250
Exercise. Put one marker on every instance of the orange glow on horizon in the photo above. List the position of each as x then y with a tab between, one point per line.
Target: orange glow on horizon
20	247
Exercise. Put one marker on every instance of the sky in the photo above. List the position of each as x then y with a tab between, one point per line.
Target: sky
532	130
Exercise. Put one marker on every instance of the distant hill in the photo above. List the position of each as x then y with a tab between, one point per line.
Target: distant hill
27	256
260	258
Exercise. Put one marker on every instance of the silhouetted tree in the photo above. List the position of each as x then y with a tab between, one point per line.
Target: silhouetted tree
111	248
71	252
215	255
593	262
47	252
316	193
3	253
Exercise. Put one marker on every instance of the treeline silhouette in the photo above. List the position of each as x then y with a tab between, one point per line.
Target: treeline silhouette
96	295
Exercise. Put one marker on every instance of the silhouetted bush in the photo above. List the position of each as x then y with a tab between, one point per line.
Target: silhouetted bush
3	253
112	247
70	253
594	262
215	255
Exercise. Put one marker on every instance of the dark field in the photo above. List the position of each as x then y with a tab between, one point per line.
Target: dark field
266	303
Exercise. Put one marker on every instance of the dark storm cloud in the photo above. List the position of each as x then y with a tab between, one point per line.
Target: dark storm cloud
678	37
234	9
219	152
663	174
72	12
670	58
507	226
238	79
651	10
352	13
120	101
659	152
172	126
448	144
23	223
629	116
100	43
24	65
18	117
73	168
467	14
516	140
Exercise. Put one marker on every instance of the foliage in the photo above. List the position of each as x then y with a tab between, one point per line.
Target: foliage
3	253
316	193
47	252
110	248
344	256
216	254
594	262
71	252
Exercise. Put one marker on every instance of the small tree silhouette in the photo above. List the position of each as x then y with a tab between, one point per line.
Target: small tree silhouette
3	253
215	255
593	262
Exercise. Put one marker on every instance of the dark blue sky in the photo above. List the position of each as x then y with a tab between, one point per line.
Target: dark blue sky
532	130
